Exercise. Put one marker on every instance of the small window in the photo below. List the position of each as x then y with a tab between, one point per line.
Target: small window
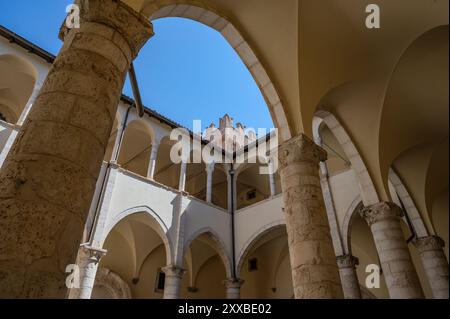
2	117
253	264
160	281
251	195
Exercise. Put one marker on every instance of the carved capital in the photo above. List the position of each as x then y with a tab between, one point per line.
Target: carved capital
381	211
300	149
428	243
347	261
233	283
174	271
131	25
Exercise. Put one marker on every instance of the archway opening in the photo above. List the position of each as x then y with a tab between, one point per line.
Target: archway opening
136	251
220	187
252	186
205	267
167	172
136	148
266	267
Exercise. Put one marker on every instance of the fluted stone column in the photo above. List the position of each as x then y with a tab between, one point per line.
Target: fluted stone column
398	269
435	264
347	270
88	264
49	177
233	288
172	286
314	268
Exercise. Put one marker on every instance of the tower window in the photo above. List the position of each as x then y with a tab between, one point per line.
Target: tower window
160	281
253	264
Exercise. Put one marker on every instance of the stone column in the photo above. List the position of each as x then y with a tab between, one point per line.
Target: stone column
398	269
172	286
233	288
182	182
209	181
315	273
152	164
88	264
347	270
272	179
435	264
48	179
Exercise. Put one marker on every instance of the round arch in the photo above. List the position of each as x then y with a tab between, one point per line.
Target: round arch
18	78
207	16
136	145
367	188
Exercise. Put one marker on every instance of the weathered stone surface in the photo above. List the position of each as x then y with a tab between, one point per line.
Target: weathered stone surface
399	272
314	269
172	287
48	179
435	264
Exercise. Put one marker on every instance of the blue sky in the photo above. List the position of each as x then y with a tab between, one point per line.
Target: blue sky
186	71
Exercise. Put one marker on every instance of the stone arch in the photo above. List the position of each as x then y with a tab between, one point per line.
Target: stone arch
159	227
253	239
112	283
219	247
136	145
368	191
207	16
408	203
354	208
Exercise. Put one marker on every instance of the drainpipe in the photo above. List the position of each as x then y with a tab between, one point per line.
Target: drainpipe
136	92
106	177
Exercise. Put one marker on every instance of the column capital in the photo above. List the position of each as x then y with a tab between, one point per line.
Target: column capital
428	243
131	25
235	283
174	271
381	211
300	149
94	254
347	261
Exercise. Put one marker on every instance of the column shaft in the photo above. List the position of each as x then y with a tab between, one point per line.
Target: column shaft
435	264
349	278
314	268
89	259
233	288
48	179
399	272
172	286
